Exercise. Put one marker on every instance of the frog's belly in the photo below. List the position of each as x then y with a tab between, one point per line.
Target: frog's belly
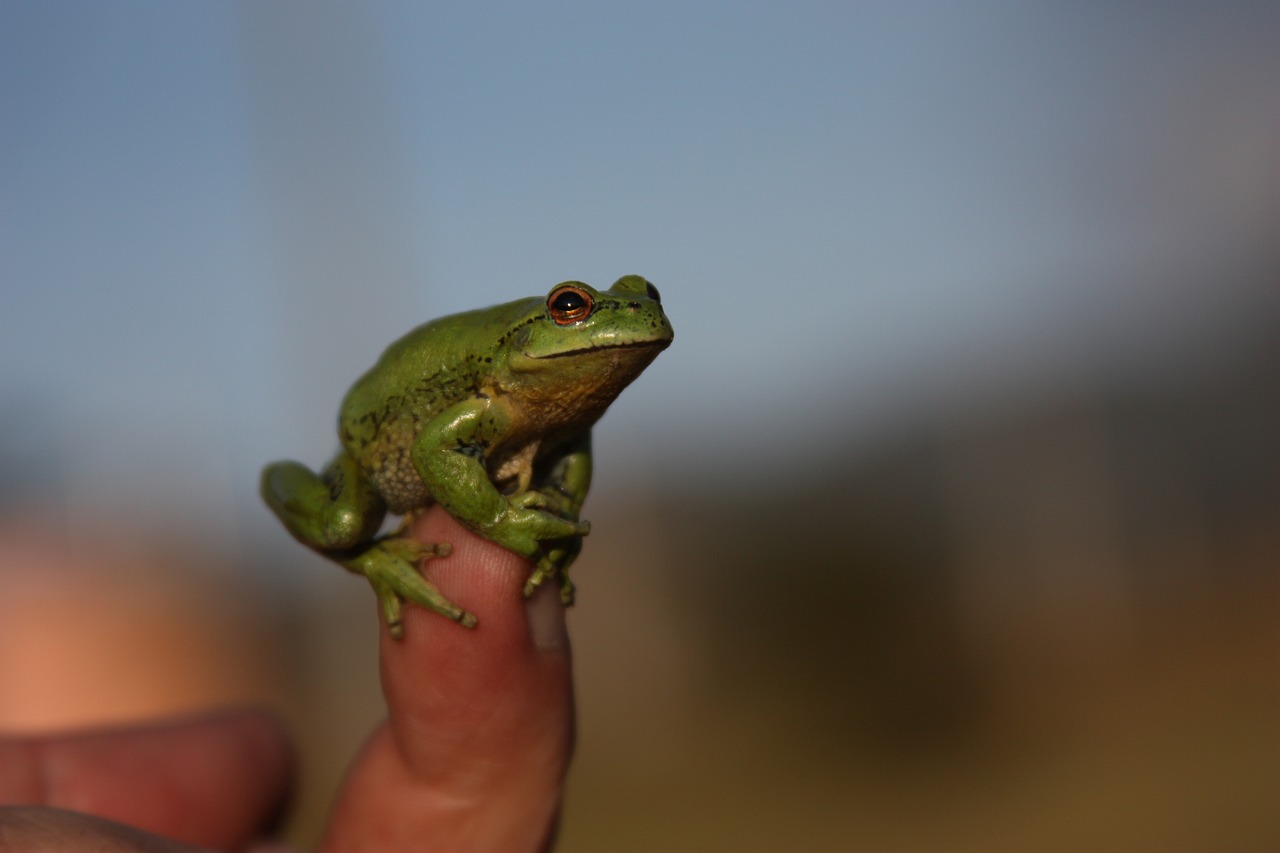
402	488
398	482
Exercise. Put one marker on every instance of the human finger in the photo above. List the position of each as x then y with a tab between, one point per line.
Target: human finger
219	779
480	721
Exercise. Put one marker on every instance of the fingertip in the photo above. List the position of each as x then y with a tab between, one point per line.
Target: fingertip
440	672
477	575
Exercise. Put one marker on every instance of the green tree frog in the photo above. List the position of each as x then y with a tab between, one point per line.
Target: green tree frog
487	413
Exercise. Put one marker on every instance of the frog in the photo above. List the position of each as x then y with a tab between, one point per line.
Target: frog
487	413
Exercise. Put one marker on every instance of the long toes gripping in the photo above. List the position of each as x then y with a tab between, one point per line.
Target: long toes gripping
543	573
391	568
566	590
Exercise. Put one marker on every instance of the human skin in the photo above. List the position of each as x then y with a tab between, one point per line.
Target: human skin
472	755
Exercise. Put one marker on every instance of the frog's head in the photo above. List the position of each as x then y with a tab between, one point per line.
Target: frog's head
592	341
578	319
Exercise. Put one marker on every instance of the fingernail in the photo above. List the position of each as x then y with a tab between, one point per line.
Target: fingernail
546	618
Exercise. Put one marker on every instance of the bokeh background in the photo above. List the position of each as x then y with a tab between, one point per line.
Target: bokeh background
951	521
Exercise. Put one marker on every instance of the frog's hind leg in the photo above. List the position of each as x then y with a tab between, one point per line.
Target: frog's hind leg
338	513
335	510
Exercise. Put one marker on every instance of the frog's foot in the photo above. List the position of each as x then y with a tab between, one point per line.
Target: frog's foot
391	568
547	569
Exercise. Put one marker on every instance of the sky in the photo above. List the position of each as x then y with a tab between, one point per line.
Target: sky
213	217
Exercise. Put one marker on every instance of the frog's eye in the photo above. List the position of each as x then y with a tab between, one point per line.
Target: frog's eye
652	292
569	304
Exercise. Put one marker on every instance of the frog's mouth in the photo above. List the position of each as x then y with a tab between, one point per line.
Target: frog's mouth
656	343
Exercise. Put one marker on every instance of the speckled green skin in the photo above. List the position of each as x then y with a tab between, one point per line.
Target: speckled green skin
487	413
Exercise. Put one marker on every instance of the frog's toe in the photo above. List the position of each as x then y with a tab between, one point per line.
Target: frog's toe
545	570
424	594
390	604
535	579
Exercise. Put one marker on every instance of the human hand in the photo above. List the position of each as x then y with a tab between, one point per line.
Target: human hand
472	756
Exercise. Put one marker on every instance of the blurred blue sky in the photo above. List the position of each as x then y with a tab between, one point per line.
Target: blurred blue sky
214	216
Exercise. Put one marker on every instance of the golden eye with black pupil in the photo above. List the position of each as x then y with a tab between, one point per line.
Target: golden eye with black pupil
568	305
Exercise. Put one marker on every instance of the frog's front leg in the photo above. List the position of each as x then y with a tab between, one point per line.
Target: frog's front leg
450	453
556	557
338	513
562	491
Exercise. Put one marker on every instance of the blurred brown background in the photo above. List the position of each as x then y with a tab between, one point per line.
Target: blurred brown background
951	521
1044	625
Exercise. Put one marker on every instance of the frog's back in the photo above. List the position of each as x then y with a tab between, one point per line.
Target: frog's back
423	373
